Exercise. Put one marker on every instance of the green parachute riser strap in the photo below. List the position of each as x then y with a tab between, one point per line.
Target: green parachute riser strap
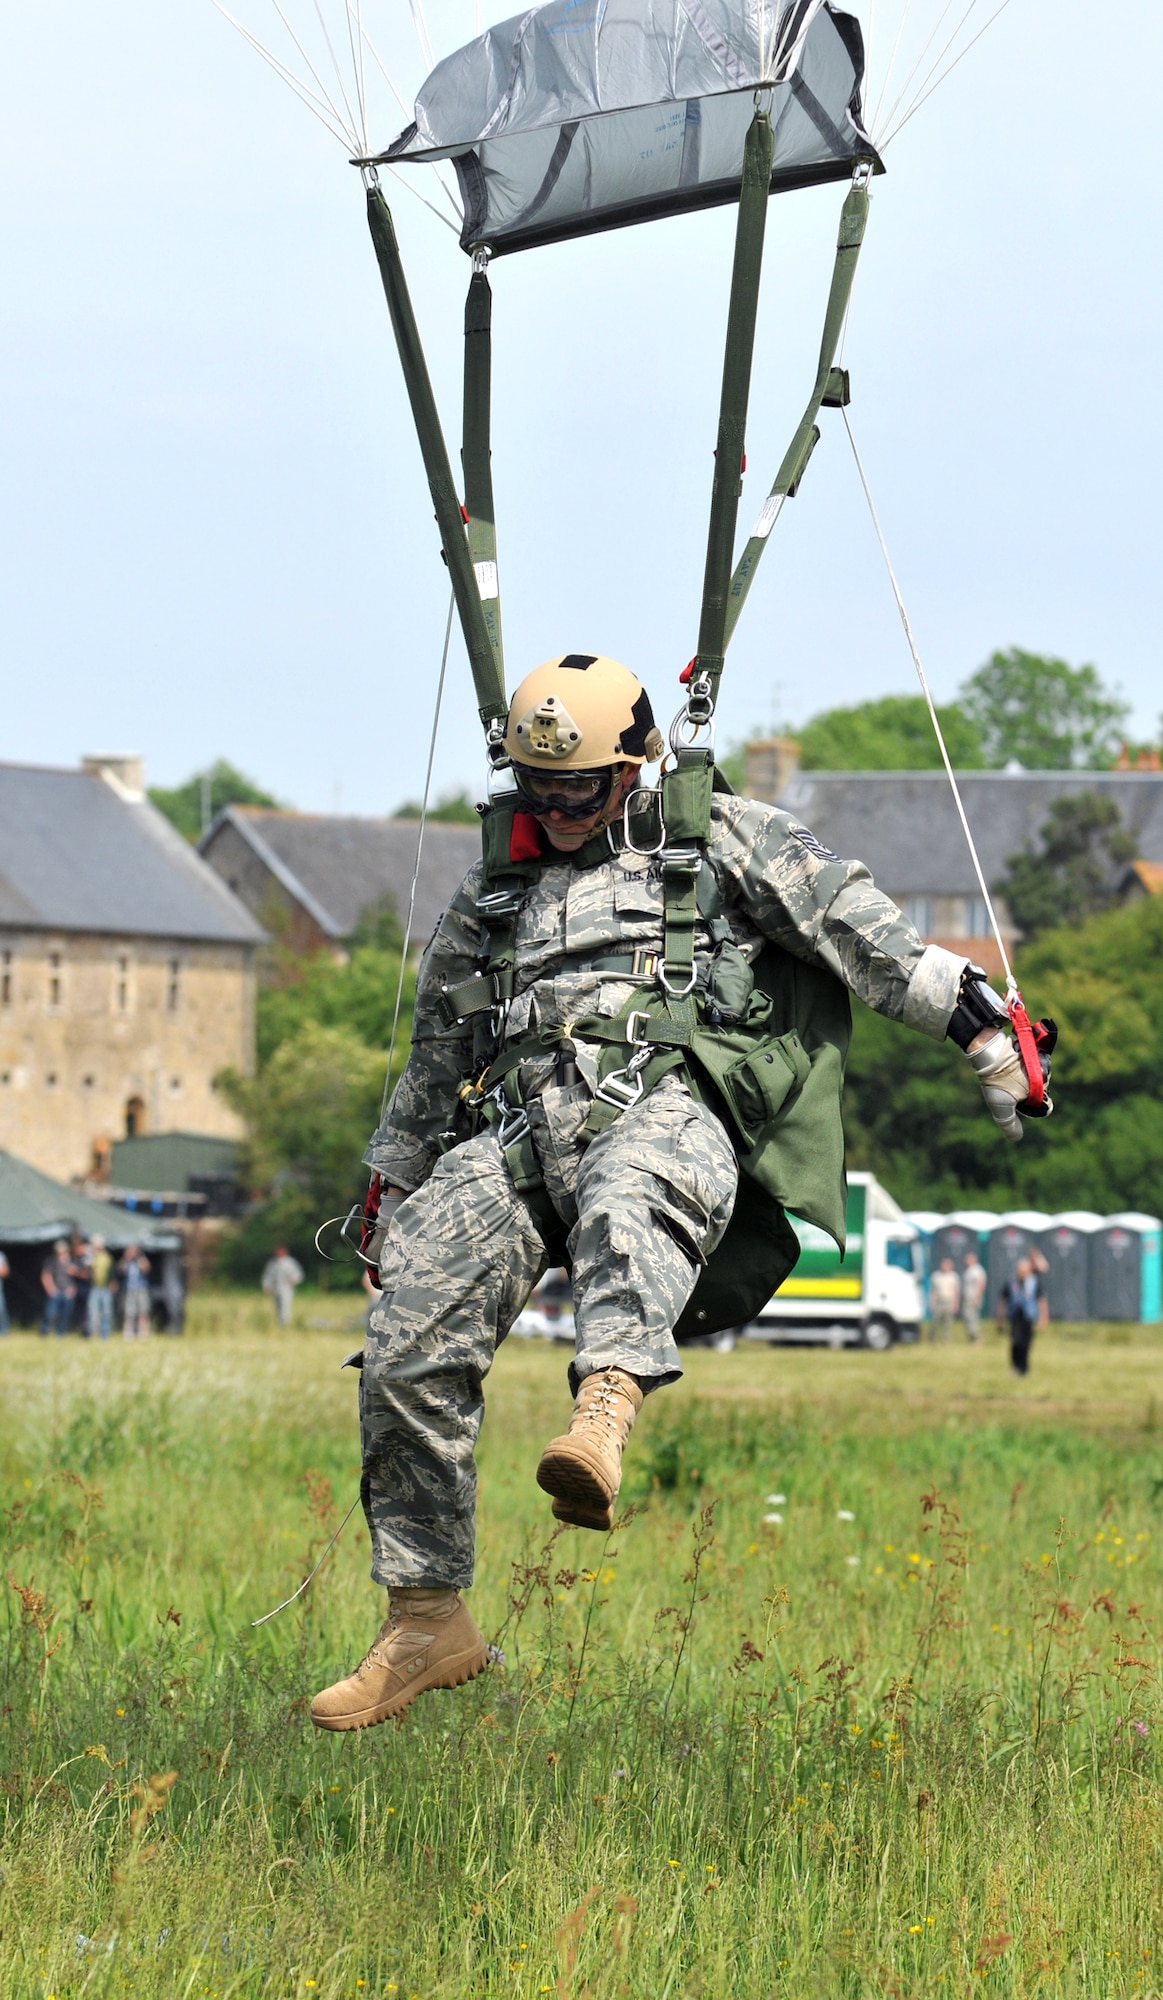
739	346
486	675
830	389
476	453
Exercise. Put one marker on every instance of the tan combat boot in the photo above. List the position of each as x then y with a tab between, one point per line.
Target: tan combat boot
583	1469
429	1639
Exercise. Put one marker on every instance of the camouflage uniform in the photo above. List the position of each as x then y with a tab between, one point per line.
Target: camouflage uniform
645	1202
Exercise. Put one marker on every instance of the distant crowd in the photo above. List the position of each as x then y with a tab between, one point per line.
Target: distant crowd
87	1289
960	1295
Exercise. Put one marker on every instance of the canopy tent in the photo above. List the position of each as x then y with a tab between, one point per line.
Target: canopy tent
36	1209
583	115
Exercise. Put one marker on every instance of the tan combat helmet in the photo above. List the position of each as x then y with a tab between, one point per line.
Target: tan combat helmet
581	712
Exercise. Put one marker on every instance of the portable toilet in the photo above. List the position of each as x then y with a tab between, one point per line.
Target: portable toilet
982	1221
955	1238
1065	1244
926	1222
1126	1255
1017	1233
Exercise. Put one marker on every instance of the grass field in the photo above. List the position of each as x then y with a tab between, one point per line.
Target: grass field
903	1739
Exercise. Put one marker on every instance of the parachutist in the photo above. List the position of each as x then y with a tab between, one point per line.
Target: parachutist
626	1062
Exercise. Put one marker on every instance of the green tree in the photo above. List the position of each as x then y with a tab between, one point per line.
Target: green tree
309	1113
914	1115
1048	715
451	809
894	733
1075	870
358	997
378	926
191	806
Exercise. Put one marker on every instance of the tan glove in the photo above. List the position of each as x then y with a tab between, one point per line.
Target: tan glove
1003	1081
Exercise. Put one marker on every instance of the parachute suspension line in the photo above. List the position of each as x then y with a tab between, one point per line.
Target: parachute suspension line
450	516
311	1574
926	45
1011	982
739	347
358	124
416	861
353	16
830	390
321	106
476	453
875	119
923	95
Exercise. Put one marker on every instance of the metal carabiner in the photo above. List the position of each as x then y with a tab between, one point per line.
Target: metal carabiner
628	842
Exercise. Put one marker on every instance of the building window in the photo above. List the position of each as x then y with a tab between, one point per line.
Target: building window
175	1085
174	985
5	979
51	1080
919	911
976	917
122	988
88	1082
54	979
134	1117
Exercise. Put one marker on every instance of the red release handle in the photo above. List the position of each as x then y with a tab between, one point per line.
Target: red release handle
1026	1035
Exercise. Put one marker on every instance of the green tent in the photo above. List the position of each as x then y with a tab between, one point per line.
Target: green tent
36	1209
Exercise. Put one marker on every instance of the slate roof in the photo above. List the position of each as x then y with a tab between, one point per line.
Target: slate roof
336	866
78	855
904	825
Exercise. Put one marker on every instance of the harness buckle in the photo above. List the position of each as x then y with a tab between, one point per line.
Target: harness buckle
635	1039
628	840
623	1087
514	1119
500	903
676	992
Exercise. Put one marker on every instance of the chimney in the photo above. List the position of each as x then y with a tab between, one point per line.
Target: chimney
769	766
123	769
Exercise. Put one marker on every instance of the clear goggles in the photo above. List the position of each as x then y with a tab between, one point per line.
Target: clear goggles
573	794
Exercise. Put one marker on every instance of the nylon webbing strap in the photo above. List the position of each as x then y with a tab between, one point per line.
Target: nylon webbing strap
853	218
486	676
737	355
476	455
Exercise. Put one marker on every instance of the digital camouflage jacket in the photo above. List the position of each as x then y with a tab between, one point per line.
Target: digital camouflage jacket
776	882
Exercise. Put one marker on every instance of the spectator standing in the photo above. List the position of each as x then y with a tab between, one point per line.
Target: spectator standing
135	1298
58	1292
4	1321
280	1278
944	1299
80	1278
973	1284
1019	1298
99	1310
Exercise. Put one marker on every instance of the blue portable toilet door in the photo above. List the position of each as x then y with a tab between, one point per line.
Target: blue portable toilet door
1007	1246
1067	1280
1116	1273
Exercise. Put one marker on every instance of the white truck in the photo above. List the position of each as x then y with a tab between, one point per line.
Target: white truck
871	1298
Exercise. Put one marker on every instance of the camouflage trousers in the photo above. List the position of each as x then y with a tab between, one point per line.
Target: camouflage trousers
645	1203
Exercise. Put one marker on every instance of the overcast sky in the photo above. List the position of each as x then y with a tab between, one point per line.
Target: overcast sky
215	537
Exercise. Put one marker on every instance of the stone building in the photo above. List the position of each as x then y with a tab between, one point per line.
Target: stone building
126	970
309	877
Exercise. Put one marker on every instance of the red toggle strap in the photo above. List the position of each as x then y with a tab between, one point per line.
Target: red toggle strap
1028	1050
688	670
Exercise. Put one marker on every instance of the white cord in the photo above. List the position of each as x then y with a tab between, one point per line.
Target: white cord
419	852
312	1573
1011	982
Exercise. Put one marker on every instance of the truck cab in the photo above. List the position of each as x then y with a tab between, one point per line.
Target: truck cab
870	1297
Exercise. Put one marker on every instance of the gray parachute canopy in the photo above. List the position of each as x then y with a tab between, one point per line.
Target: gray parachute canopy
583	115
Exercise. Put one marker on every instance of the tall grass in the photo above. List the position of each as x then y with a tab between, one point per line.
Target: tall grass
902	1739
